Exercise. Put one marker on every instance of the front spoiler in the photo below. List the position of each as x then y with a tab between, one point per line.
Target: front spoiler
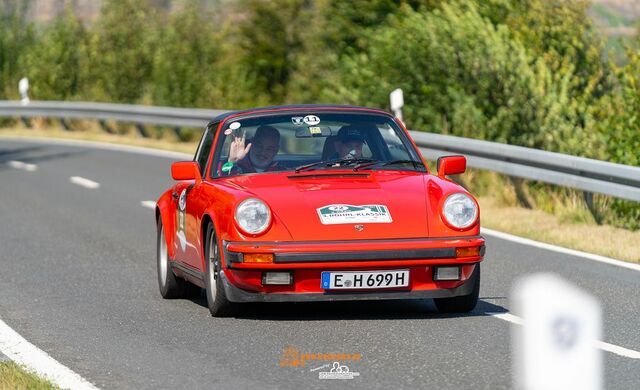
353	253
235	294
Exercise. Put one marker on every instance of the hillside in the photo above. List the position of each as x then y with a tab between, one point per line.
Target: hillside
616	17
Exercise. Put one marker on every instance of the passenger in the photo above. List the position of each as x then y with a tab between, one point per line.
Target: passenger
349	143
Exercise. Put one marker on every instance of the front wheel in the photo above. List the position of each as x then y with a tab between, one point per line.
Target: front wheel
219	305
463	303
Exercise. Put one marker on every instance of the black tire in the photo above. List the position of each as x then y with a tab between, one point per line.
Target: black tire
463	303
171	287
219	305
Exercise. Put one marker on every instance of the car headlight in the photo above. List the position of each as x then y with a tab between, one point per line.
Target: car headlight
253	216
459	210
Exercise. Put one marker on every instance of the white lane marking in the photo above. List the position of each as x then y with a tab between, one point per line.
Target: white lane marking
81	181
507	317
22	165
150	204
621	351
618	350
555	248
34	359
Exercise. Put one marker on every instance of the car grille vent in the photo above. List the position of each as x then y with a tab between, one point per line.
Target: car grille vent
328	175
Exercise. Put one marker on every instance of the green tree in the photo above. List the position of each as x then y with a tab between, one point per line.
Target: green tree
560	32
185	59
269	40
120	52
16	36
460	73
332	30
53	62
618	114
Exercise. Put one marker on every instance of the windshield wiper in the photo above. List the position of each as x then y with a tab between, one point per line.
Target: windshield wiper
415	164
340	162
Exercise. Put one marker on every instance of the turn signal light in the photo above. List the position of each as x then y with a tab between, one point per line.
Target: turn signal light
468	251
257	258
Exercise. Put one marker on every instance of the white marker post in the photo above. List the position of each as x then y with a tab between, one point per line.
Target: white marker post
23	88
396	99
556	346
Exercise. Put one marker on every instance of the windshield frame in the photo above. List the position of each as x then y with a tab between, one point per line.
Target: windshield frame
401	132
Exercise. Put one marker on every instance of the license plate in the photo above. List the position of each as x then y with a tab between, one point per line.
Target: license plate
365	279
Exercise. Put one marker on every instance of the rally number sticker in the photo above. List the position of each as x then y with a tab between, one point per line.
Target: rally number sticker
345	213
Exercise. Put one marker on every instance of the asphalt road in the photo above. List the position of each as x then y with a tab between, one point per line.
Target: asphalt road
78	280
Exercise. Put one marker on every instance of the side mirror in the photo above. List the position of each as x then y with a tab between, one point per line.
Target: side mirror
186	170
451	165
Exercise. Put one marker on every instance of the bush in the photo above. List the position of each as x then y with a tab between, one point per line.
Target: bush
52	64
16	36
461	74
120	51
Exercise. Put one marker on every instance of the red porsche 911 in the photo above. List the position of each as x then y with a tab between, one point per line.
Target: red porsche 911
316	203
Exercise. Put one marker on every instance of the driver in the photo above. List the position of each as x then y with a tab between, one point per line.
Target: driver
258	155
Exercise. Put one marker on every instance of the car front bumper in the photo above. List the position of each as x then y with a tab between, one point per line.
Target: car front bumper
236	294
243	282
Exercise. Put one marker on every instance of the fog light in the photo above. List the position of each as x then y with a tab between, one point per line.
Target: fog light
468	251
277	278
257	258
446	273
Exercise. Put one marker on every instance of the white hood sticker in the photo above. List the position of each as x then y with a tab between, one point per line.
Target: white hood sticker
344	213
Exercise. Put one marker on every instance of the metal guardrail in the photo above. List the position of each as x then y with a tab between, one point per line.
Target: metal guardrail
166	116
620	181
591	176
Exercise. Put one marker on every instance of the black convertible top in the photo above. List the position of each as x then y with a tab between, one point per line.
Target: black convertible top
298	107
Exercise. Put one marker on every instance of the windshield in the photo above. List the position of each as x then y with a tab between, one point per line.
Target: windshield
302	141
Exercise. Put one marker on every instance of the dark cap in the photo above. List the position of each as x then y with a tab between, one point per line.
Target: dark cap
350	133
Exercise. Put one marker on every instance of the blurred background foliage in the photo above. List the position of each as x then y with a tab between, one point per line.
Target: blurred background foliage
536	73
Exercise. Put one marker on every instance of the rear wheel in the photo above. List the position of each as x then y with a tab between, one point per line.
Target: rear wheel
171	287
463	303
219	305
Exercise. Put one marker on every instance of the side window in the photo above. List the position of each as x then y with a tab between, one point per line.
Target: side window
202	154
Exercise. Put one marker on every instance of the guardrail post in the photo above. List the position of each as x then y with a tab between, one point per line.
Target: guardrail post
142	132
588	200
26	122
64	124
176	131
521	195
105	126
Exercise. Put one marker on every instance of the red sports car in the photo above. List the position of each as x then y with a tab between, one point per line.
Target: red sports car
316	203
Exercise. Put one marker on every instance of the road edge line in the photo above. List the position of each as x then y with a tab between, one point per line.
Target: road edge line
560	249
23	353
105	146
604	346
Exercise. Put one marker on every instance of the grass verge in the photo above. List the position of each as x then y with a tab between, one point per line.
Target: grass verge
12	376
564	221
538	225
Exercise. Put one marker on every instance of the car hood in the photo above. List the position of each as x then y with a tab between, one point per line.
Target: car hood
343	206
